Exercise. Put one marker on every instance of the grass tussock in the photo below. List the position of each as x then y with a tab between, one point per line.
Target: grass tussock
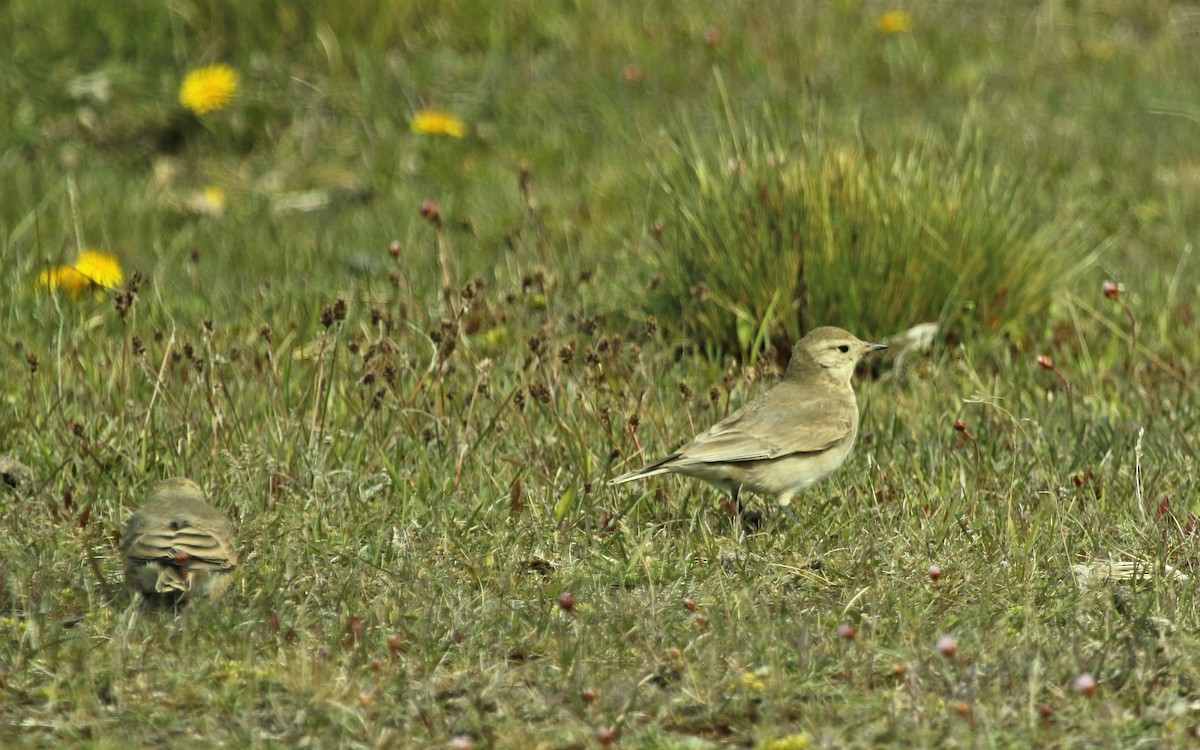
775	234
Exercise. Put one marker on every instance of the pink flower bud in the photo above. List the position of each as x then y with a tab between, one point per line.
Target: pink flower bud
1085	684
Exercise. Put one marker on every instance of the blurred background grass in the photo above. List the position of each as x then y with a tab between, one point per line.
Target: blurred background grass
417	482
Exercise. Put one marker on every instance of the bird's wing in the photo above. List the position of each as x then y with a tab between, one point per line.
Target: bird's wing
183	542
758	431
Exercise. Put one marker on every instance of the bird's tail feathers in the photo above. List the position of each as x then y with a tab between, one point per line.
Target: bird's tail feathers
650	470
172	579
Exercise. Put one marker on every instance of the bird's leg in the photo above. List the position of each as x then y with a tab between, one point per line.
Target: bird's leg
785	504
750	520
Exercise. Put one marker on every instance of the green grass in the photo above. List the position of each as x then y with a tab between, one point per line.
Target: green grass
790	230
415	486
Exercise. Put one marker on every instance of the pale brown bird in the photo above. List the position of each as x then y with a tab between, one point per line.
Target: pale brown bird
178	545
787	439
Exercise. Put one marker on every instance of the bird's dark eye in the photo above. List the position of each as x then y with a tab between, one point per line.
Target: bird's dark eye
843	348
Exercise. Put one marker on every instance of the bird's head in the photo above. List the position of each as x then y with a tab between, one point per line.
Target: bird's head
829	350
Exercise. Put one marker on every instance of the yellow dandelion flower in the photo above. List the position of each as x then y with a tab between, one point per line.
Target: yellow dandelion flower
91	270
895	22
752	682
210	201
437	122
215	197
209	89
791	742
65	278
101	269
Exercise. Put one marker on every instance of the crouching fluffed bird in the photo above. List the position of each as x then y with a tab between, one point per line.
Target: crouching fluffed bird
787	439
178	545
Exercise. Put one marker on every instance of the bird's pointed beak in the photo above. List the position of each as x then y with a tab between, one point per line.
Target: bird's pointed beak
876	347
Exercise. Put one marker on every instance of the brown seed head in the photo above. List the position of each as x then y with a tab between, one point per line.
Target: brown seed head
431	213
